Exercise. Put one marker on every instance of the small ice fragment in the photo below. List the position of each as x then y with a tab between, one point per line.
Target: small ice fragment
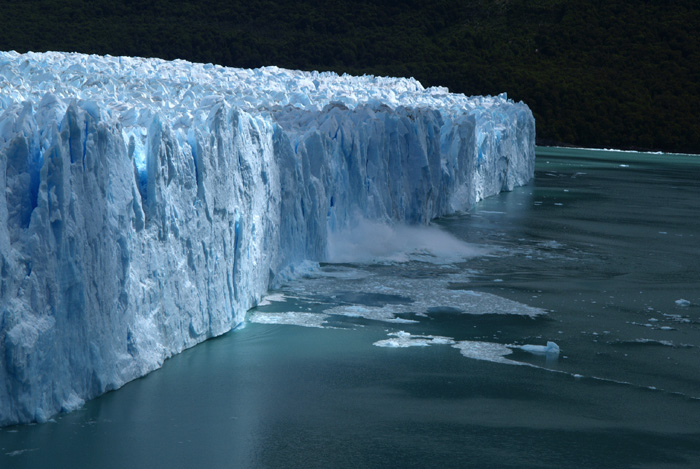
550	349
487	351
405	339
624	166
442	341
292	318
274	297
683	302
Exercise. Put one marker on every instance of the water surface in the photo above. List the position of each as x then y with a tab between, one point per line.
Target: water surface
596	255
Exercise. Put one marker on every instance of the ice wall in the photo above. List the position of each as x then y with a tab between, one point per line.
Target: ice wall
149	204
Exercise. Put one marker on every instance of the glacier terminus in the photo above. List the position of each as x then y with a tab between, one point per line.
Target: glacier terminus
149	204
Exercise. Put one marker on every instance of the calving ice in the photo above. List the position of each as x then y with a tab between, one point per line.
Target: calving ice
149	204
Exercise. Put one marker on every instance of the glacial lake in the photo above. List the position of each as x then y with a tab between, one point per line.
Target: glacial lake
408	351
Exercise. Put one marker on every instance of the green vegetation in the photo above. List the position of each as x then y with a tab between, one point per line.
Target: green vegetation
595	73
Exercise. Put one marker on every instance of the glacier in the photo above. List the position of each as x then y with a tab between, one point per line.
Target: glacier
149	204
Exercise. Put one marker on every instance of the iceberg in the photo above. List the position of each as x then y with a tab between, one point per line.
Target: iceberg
550	349
149	204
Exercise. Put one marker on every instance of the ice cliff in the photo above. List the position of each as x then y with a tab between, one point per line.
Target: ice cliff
149	204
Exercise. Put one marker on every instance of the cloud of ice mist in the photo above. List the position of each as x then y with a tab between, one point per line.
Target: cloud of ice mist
371	241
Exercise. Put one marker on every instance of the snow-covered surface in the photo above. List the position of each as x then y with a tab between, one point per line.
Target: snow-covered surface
149	204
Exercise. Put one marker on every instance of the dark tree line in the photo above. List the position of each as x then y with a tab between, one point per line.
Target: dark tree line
595	73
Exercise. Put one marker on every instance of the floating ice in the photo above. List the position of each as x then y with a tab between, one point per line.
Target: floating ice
677	318
476	350
487	351
404	339
273	298
147	205
386	297
683	302
384	313
291	318
550	349
665	343
19	452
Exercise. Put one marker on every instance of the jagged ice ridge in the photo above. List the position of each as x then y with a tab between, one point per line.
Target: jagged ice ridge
149	204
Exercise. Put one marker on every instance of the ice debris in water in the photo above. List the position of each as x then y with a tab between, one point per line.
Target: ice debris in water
403	339
550	349
272	298
389	296
477	350
385	313
291	318
146	205
642	341
487	351
683	302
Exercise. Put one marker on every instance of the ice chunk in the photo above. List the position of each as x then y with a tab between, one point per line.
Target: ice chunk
683	303
550	349
272	298
665	343
386	297
383	313
290	318
404	339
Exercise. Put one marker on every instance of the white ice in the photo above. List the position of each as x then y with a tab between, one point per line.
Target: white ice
398	294
487	351
272	298
147	204
404	339
292	318
550	349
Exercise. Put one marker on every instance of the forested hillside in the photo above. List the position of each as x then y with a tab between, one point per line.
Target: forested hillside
595	73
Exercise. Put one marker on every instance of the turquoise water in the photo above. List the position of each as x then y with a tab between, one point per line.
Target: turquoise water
595	255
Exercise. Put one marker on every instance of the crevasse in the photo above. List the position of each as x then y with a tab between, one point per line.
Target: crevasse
149	204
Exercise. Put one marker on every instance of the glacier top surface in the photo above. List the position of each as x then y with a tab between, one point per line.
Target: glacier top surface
131	90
